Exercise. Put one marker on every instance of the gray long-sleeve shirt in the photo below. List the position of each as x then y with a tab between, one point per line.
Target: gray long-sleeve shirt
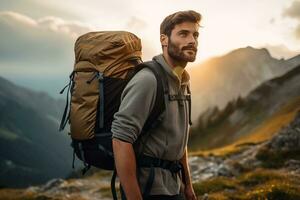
167	141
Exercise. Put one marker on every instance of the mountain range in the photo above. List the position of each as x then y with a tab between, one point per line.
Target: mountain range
32	150
222	79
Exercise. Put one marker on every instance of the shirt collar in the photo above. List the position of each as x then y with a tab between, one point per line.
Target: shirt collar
177	73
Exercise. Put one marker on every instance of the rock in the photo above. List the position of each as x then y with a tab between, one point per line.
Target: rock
224	170
54	183
293	165
203	168
77	189
288	138
204	197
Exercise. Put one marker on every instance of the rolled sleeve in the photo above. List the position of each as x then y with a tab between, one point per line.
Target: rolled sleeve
137	101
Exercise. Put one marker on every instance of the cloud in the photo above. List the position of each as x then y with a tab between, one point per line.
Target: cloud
55	24
8	17
45	45
136	24
49	23
38	9
37	45
38	53
293	11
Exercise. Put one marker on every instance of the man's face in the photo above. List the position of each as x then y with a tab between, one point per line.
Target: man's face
183	42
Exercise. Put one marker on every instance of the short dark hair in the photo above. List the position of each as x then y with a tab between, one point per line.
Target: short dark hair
179	17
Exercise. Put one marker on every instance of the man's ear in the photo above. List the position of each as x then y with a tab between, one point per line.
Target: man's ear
164	40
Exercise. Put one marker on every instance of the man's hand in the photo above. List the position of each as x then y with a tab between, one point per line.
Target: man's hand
189	193
186	176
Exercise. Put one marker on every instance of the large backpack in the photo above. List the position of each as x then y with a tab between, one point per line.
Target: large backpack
104	63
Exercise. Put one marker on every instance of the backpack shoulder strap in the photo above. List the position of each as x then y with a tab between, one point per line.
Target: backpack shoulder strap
162	95
155	116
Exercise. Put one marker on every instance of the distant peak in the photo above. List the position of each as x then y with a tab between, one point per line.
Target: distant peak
248	47
250	51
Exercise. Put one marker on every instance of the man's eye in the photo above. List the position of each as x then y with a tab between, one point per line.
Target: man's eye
183	34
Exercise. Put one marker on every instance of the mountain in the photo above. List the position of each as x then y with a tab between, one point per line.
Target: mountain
254	118
38	101
222	79
32	150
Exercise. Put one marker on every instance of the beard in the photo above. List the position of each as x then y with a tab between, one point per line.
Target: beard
180	55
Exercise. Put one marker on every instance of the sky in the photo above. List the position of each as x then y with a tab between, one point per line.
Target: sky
37	37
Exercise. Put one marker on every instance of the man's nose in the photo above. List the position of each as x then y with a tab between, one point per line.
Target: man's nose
192	40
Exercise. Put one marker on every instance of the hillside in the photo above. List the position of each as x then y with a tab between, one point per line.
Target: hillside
32	150
251	119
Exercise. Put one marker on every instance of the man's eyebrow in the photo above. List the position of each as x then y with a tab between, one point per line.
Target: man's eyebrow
183	31
187	31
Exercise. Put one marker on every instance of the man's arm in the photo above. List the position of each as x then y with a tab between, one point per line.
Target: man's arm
137	101
188	189
126	168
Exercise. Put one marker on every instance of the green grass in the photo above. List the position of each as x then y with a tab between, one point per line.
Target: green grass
258	184
260	176
214	185
274	190
276	159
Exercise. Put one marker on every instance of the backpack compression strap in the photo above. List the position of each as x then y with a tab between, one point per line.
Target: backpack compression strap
190	104
66	116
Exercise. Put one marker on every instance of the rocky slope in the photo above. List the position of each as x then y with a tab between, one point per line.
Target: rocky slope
267	170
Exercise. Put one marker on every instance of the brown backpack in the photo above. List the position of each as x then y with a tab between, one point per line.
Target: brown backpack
104	63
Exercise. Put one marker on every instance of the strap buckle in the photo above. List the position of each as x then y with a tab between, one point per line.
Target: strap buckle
175	167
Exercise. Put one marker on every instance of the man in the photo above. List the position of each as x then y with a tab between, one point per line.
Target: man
168	141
